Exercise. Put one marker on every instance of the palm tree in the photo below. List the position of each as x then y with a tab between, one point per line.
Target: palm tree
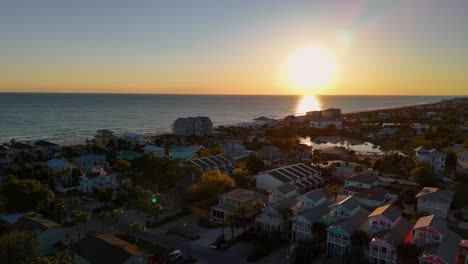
135	229
334	191
116	215
80	217
86	216
104	216
232	219
242	211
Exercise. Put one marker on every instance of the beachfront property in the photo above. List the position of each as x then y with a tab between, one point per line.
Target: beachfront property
435	201
387	230
365	188
433	157
217	162
261	121
103	137
49	233
325	118
184	153
134	138
14	149
303	177
107	248
346	216
462	162
311	208
230	201
326	123
155	150
234	150
46	149
270	155
101	178
128	155
438	244
86	162
199	126
339	169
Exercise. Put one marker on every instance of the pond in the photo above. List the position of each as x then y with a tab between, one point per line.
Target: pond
363	148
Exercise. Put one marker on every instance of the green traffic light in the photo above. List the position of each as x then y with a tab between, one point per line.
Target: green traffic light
154	200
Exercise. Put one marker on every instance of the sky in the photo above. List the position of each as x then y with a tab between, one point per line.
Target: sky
380	47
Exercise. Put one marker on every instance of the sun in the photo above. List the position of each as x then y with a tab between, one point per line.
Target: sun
310	68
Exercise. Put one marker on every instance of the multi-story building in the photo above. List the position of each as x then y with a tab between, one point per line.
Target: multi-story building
87	162
438	244
270	155
276	216
101	178
345	217
462	162
432	157
364	187
281	192
230	201
199	126
303	177
46	149
217	162
103	137
387	229
339	169
435	201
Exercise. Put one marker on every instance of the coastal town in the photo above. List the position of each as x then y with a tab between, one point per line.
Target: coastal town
381	186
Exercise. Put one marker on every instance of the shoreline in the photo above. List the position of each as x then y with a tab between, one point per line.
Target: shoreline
80	140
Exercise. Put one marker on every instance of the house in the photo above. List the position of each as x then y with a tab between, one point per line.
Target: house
64	175
311	208
326	123
87	162
184	153
281	192
290	120
260	121
17	148
435	201
365	188
4	159
339	169
331	113
107	248
433	157
199	126
462	162
394	231
103	137
276	216
230	201
346	217
234	151
303	177
46	149
49	233
270	155
217	162
101	178
419	127
128	155
134	138
438	244
335	152
155	150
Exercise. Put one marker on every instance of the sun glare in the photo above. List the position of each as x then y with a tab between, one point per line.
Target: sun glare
310	68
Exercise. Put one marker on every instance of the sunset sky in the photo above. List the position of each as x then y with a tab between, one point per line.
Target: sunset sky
380	47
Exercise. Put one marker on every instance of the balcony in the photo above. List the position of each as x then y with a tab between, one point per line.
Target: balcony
389	256
340	241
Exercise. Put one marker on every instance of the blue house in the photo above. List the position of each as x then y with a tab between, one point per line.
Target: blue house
184	153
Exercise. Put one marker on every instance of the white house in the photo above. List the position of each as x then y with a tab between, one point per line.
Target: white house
433	157
435	201
340	169
326	123
303	177
276	216
281	192
100	179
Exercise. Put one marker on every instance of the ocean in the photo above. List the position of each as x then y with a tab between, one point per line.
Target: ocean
66	118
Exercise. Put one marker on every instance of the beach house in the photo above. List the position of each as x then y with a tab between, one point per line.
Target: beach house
103	137
365	187
270	155
462	162
101	178
199	126
230	201
435	201
87	162
432	157
134	138
276	216
46	149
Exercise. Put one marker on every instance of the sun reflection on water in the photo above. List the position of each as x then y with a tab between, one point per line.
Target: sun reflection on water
307	103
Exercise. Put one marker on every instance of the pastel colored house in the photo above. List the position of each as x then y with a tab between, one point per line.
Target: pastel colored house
235	151
433	157
365	188
184	153
129	155
435	201
281	192
103	137
339	169
438	244
133	138
276	216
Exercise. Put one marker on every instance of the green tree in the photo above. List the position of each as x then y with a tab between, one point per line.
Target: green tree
59	258
122	165
135	229
334	190
424	176
241	175
211	184
407	195
105	195
255	164
156	210
116	215
211	152
25	195
16	246
81	217
104	217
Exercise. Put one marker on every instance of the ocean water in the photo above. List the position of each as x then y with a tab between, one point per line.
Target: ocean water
65	118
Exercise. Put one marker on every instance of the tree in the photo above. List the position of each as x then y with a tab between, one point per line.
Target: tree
408	195
59	258
232	219
116	215
56	210
135	230
156	210
25	195
16	246
104	217
424	176
122	165
105	195
334	191
286	214
81	217
320	230
73	203
241	175
211	152
211	184
255	164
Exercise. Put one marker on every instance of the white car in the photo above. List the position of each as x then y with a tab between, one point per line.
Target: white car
175	255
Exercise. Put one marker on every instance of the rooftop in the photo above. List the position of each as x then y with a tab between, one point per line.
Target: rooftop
242	195
43	143
349	203
436	194
35	223
388	211
431	221
363	178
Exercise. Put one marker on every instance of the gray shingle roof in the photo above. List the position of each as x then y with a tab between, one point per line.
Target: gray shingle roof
397	234
436	194
349	203
315	195
363	178
314	214
389	212
286	188
447	249
432	221
354	222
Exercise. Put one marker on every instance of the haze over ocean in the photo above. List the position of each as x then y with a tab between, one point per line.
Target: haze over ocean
74	117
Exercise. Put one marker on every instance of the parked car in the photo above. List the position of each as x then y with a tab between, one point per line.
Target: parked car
175	256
